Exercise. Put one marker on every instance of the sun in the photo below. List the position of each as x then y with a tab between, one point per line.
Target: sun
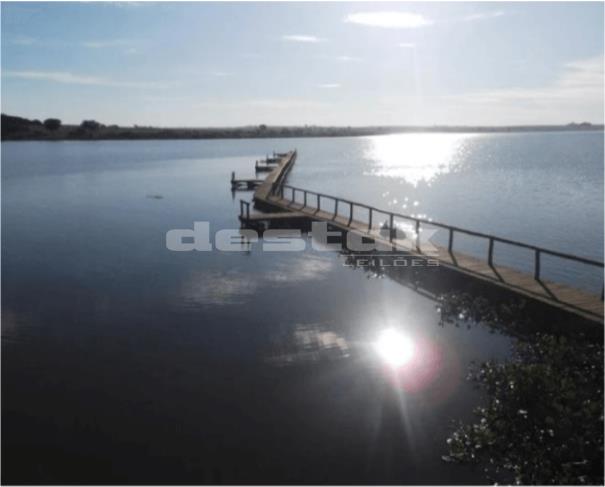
394	348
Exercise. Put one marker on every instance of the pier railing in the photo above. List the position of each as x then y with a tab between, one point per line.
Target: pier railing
308	197
283	171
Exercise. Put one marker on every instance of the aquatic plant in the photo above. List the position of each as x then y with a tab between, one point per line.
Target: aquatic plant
459	308
543	421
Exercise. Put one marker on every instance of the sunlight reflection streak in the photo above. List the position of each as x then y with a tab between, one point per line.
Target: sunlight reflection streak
415	157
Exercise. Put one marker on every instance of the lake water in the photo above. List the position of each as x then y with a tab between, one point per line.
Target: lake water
544	189
125	362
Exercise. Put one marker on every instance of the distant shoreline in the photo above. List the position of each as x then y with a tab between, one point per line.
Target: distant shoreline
16	128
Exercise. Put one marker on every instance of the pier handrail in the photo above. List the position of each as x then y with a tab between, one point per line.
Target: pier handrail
279	186
283	173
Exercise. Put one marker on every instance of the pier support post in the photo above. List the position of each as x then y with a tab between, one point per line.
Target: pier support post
490	253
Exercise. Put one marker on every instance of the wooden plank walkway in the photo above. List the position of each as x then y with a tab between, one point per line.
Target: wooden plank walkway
270	196
267	217
274	178
564	297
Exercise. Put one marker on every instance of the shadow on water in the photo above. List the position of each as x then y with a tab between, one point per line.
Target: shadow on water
458	297
460	300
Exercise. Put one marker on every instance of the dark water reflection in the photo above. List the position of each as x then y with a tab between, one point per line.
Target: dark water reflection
124	362
272	382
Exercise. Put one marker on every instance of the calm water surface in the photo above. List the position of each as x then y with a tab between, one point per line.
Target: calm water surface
124	362
542	188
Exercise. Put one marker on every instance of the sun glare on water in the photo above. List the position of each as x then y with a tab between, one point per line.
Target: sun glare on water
415	157
394	348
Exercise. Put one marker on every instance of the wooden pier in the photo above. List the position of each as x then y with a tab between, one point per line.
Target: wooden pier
254	217
263	166
244	184
268	164
273	195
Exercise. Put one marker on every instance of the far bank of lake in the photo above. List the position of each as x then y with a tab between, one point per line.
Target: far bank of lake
18	128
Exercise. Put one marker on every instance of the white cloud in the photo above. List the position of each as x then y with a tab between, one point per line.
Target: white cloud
481	16
580	80
302	38
583	74
267	106
56	76
328	85
64	77
90	44
101	44
24	41
577	94
285	103
348	59
220	74
389	19
407	45
127	4
165	99
409	20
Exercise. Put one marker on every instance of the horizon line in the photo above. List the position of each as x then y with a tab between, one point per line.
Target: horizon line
345	127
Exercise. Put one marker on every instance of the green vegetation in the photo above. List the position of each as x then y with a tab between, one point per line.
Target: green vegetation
52	124
543	419
18	128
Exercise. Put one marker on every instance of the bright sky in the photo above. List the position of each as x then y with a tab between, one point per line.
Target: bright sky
227	64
